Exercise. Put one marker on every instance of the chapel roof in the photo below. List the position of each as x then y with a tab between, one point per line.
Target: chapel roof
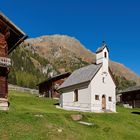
81	75
102	47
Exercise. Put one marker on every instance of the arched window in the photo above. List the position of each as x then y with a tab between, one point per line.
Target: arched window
75	95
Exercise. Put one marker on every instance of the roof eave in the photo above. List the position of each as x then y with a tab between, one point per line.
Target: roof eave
125	92
72	86
20	35
67	73
97	71
9	22
19	42
98	51
110	71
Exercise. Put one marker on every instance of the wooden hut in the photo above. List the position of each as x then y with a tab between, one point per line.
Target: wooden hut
48	88
131	97
10	37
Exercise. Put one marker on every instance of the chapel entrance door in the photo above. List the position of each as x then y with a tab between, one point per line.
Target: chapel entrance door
103	102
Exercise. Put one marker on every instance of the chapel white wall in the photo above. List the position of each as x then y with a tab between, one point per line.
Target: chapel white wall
99	88
83	103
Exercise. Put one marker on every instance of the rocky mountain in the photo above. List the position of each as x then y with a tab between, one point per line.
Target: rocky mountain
50	55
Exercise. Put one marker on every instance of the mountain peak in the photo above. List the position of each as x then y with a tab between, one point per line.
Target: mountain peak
66	42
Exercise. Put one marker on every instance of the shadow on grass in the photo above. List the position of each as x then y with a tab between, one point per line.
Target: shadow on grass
56	104
135	112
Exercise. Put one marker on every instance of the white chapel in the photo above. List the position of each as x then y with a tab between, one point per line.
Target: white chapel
91	88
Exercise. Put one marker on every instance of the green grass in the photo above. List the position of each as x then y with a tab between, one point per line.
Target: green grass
20	122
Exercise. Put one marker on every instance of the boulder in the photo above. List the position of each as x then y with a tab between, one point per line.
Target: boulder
76	117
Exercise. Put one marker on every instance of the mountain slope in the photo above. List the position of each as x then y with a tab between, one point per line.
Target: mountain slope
56	44
59	53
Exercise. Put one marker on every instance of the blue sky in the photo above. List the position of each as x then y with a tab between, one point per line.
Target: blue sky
90	21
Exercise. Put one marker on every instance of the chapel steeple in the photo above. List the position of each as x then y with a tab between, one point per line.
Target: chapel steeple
102	56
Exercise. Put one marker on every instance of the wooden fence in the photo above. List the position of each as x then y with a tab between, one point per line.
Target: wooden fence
22	89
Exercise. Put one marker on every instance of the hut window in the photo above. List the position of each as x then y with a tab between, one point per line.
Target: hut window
96	97
75	95
105	54
110	99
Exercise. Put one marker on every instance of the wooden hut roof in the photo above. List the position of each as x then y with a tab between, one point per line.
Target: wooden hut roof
55	78
16	34
131	89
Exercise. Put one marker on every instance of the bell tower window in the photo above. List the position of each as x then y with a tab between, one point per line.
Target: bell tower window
105	54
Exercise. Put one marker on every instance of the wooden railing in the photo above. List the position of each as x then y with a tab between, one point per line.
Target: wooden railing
6	62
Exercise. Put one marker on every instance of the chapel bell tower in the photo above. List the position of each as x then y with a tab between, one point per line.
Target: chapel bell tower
102	57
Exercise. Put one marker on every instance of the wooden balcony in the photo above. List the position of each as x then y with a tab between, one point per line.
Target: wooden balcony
5	62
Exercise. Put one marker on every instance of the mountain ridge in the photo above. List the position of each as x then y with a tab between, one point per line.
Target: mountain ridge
58	54
86	55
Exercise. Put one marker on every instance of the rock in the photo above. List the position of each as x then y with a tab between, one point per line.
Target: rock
37	115
76	117
59	130
86	123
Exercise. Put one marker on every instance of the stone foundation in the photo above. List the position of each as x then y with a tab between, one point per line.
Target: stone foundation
4	104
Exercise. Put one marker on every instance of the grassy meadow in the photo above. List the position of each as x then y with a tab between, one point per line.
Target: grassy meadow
34	118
